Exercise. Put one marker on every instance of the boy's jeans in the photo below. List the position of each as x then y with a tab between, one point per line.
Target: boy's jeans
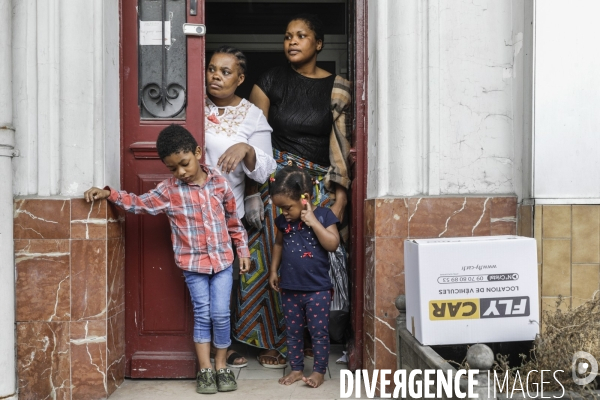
210	299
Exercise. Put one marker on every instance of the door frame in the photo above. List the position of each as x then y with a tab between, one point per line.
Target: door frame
359	48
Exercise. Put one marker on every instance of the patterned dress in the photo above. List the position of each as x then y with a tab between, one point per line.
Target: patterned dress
258	319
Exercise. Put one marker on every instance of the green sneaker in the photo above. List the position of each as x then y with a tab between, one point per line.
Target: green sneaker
226	380
205	382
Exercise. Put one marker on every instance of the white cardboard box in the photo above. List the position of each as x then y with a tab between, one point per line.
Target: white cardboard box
471	290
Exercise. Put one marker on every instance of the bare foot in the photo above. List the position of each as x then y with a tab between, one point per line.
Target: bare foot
271	357
314	380
292	377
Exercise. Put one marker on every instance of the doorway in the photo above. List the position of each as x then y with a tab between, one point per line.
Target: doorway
257	28
158	313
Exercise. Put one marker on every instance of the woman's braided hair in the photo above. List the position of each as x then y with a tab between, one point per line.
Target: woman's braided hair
241	57
292	182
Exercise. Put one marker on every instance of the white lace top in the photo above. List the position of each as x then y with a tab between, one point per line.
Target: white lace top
243	123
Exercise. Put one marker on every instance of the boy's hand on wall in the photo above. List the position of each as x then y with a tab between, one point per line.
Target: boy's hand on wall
95	194
244	265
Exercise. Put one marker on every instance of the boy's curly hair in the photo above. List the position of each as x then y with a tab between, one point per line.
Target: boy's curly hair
175	139
292	182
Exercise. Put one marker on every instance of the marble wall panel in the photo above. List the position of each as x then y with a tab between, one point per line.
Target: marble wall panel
88	220
391	218
385	355
369	282
115	221
43	358
115	265
115	347
43	281
369	342
503	228
88	360
385	333
88	269
389	275
448	217
503	216
369	215
42	219
70	272
503	208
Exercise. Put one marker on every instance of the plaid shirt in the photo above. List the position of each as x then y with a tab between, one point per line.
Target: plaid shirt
202	219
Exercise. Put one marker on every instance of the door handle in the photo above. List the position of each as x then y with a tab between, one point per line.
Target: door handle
193	7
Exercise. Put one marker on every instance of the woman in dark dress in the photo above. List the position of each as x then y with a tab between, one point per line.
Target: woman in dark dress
307	108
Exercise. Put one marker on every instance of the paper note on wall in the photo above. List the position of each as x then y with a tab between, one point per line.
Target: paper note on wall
151	33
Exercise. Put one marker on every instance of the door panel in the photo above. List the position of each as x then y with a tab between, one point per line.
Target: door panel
163	83
164	299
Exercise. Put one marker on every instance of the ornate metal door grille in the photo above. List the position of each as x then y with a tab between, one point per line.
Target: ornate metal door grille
162	66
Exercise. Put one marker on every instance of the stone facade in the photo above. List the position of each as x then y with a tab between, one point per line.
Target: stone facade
70	298
390	221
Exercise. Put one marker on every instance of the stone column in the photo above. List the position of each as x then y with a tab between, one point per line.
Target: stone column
7	269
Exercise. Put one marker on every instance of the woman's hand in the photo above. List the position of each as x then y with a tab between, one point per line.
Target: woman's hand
95	193
230	159
274	281
255	210
341	200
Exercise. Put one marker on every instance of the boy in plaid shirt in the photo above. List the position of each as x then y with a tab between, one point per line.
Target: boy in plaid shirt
202	213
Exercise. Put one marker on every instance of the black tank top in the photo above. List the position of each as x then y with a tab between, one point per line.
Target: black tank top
300	112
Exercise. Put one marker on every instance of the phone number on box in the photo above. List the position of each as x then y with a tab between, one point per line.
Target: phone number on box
478	278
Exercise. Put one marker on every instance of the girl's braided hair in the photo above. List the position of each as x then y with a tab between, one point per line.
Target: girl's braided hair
292	182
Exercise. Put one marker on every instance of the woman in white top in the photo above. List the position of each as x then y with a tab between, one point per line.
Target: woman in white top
237	138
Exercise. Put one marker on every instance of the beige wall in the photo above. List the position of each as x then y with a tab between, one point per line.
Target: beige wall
568	239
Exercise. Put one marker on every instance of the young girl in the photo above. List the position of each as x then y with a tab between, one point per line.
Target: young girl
304	237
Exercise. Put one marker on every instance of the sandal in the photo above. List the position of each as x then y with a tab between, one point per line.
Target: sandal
231	359
277	359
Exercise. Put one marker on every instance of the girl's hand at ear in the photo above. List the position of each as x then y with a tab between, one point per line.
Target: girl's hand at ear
307	216
274	281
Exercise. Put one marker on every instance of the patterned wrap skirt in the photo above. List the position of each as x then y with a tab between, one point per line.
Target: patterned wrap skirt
258	318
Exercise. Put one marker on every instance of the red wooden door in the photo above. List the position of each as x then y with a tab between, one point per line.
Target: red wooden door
162	75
